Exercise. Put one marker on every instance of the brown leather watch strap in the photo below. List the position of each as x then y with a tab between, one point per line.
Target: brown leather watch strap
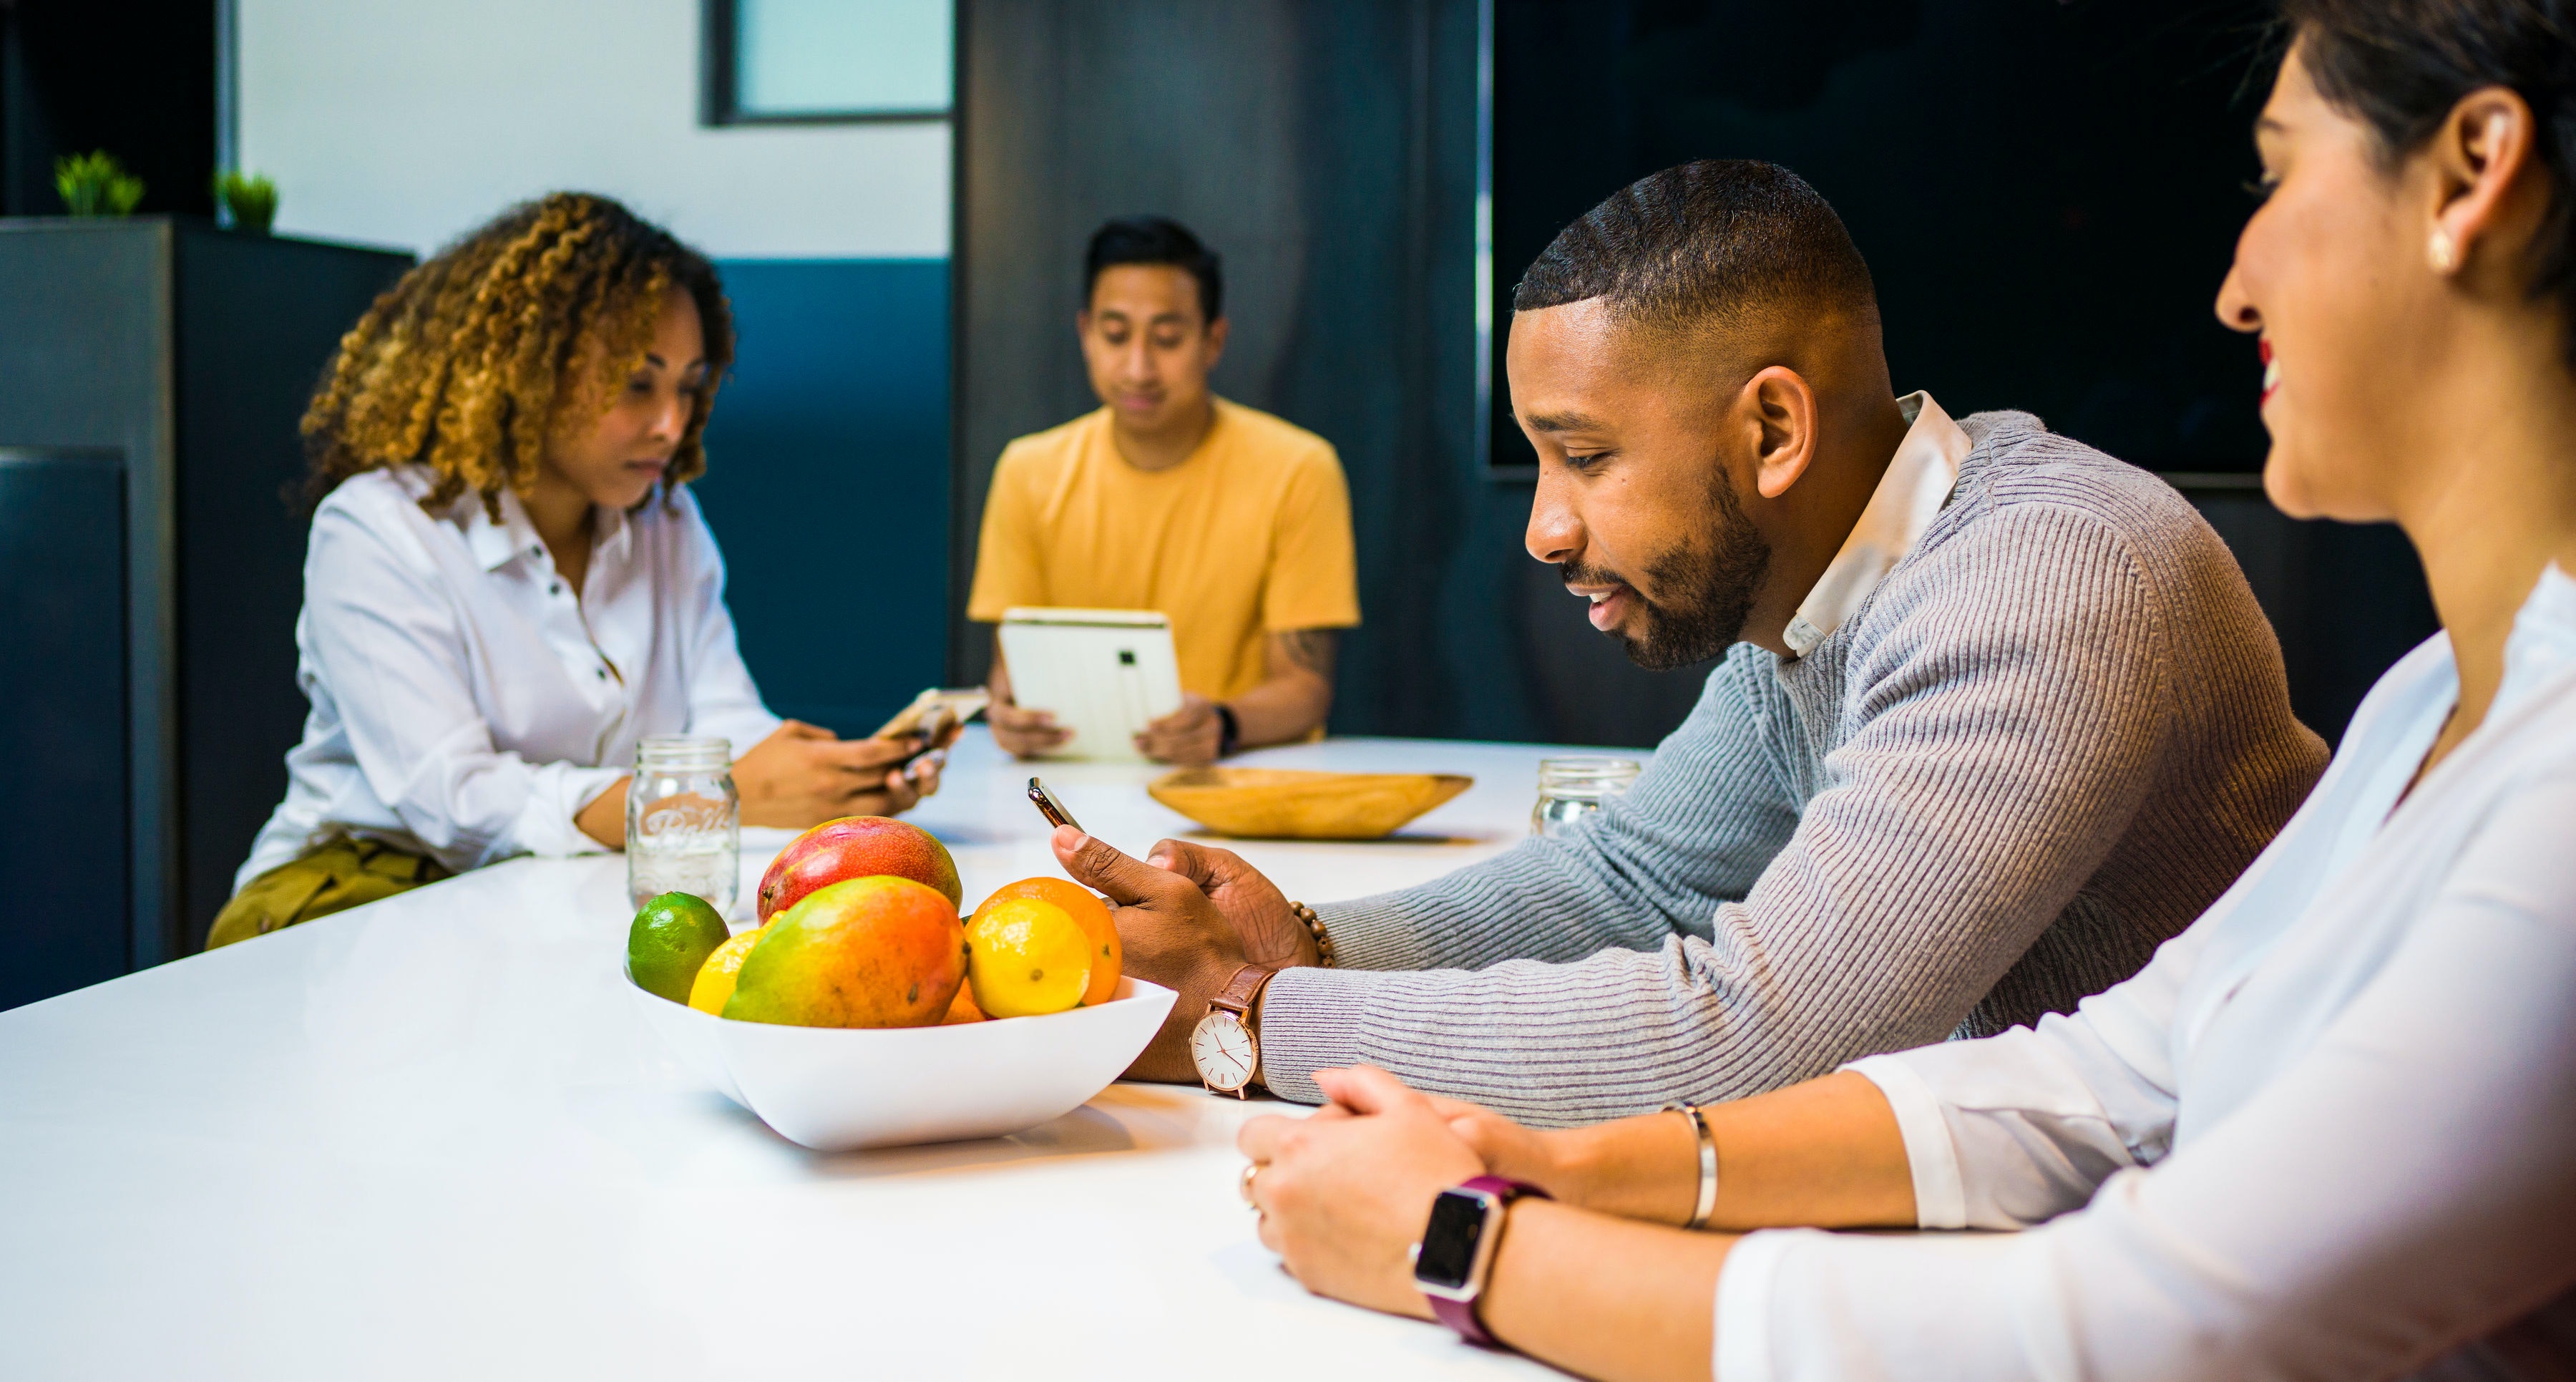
1242	990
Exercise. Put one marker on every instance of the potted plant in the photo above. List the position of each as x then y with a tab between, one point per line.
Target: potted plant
245	201
95	184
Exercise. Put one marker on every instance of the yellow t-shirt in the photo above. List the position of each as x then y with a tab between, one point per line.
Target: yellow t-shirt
1249	536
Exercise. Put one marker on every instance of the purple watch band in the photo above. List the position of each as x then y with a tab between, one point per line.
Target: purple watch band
1460	1315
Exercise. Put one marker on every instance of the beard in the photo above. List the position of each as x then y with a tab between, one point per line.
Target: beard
1708	591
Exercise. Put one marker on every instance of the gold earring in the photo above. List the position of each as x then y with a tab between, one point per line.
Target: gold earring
2444	252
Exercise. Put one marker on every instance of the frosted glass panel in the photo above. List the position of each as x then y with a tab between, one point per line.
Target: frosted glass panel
818	57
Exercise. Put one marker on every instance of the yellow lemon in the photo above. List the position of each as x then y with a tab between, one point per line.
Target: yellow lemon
1085	907
714	983
1026	957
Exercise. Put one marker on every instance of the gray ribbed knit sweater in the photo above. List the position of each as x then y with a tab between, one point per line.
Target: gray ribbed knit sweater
2054	733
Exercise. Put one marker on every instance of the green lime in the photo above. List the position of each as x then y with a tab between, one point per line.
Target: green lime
671	937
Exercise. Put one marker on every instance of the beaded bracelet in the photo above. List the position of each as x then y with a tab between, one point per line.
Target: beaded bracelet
1315	927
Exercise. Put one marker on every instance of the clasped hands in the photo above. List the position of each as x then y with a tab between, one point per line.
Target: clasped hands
1343	1193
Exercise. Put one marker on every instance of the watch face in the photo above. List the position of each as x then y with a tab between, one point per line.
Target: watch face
1223	1051
1448	1257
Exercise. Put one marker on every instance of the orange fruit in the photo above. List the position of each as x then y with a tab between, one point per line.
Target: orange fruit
1089	912
714	984
962	1008
1027	958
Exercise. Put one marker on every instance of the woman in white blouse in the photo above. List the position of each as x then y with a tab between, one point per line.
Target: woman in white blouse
2330	1131
507	583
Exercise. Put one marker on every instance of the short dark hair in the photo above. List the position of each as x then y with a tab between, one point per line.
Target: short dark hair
1710	241
2400	66
1155	240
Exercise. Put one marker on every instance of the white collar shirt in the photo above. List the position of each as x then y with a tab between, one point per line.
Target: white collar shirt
466	704
2324	1132
1909	496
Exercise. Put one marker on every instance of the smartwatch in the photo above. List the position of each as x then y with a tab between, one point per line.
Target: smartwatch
1229	731
1456	1253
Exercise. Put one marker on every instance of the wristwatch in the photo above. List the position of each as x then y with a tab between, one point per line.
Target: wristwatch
1223	1045
1456	1253
1229	731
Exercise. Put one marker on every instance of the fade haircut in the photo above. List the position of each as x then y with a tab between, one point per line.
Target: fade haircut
1717	243
1155	240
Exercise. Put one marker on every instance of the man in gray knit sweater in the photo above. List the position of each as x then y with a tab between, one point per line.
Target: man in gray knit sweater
1999	717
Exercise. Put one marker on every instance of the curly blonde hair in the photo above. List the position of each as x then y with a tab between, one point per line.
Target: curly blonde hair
467	365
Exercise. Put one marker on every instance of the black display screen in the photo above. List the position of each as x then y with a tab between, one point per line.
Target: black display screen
1449	1240
2047	191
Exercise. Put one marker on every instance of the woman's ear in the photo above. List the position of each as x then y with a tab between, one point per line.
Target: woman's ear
1783	405
2479	158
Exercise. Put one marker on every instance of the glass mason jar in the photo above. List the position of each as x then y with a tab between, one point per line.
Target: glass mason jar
1571	788
683	822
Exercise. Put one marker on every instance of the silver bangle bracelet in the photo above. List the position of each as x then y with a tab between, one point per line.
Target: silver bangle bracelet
1707	1201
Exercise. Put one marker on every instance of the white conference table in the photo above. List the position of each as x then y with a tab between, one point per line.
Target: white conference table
431	1138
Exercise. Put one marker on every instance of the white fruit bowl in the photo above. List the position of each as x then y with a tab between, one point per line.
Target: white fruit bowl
838	1089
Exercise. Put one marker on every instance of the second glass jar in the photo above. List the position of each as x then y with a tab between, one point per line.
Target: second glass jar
1571	788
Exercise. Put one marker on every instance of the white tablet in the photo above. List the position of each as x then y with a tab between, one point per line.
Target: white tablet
1104	673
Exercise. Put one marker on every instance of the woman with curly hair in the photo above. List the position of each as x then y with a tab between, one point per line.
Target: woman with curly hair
507	583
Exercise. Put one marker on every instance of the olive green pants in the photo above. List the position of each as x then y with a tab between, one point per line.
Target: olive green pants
330	877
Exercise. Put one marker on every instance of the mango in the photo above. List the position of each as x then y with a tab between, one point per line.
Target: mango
856	847
862	952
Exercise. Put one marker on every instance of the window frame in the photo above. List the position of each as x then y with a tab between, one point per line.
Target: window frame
719	85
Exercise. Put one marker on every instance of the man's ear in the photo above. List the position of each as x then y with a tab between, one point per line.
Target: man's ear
1783	405
1216	333
1082	324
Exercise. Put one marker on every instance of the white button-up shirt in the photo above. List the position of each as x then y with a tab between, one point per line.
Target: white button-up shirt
2329	1131
1909	496
466	703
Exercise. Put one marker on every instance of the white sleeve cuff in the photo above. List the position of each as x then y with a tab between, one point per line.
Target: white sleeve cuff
1940	1198
545	825
1741	1328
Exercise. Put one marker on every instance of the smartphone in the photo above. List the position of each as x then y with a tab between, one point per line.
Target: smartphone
944	707
932	727
1051	808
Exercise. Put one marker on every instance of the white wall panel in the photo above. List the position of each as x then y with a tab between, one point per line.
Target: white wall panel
406	122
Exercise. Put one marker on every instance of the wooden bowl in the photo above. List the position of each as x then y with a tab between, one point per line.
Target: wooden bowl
1281	803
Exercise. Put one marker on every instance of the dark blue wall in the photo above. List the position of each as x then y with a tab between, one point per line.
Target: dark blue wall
827	482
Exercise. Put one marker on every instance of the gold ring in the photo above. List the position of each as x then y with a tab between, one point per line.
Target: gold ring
1244	1187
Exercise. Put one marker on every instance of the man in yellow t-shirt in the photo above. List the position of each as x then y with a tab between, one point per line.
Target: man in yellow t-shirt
1233	523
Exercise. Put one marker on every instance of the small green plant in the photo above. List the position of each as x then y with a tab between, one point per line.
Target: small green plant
95	184
246	201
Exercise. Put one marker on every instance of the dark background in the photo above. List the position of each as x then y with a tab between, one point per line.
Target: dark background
2047	193
133	77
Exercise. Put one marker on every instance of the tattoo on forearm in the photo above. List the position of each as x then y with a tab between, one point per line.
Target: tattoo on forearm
1311	649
